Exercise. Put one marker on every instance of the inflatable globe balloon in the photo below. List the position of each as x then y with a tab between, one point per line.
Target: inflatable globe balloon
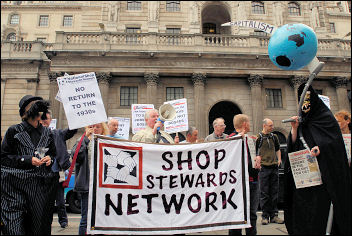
293	46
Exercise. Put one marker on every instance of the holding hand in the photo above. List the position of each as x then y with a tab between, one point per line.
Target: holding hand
315	151
257	164
295	124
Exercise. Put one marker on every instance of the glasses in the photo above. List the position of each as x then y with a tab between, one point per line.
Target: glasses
222	125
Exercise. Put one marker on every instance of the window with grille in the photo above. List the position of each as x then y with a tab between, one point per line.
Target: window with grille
44	21
273	98
68	21
134	5
294	9
128	96
173	93
15	19
173	40
209	28
41	40
11	37
258	8
132	36
173	6
332	28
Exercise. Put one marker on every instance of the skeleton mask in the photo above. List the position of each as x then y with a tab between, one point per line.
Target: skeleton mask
306	103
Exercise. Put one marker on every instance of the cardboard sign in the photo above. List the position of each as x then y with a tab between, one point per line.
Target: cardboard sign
180	123
124	127
82	100
138	118
151	189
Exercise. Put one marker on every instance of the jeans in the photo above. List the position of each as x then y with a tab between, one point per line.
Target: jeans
269	190
253	207
84	212
60	203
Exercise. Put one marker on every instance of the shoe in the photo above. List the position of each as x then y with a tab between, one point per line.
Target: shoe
277	220
265	221
64	225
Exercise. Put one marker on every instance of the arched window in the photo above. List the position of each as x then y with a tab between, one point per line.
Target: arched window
294	9
258	8
11	37
14	19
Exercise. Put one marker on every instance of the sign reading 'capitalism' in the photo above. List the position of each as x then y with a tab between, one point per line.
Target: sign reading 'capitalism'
143	188
253	24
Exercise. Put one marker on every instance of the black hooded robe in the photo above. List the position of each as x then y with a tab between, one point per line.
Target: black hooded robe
306	209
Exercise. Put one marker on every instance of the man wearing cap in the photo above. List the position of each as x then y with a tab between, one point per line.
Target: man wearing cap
28	185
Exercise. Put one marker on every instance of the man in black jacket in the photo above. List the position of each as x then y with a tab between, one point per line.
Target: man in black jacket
61	164
28	185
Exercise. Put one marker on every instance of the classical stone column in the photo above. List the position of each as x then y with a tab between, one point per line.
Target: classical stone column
104	80
340	83
54	104
32	86
3	83
198	80
152	80
255	82
295	82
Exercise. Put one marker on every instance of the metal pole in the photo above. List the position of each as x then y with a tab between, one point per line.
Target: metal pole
330	218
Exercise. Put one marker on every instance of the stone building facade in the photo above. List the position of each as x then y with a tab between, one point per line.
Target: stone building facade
150	52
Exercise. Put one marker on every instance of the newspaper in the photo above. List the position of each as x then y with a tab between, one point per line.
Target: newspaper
347	140
305	169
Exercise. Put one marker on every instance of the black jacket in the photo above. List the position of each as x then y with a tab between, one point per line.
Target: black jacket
60	137
82	166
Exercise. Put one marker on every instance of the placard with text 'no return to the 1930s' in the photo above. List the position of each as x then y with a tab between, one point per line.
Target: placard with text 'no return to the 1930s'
82	100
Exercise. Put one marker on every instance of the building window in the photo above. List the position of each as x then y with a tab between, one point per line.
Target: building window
294	9
15	19
273	98
128	96
258	8
132	36
332	28
209	28
44	21
173	40
41	40
67	21
260	33
173	93
11	37
134	5
173	6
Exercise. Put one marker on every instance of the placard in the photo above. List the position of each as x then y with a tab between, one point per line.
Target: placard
305	169
82	100
124	127
138	116
180	123
53	124
347	140
325	99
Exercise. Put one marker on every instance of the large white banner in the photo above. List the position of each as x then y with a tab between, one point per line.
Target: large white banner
140	188
180	123
82	100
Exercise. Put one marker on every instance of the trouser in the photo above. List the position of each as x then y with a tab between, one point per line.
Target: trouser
27	201
84	214
269	190
253	207
60	204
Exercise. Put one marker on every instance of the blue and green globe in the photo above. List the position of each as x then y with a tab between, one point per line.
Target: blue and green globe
293	46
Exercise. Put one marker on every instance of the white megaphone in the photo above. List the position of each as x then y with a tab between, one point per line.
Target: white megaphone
166	113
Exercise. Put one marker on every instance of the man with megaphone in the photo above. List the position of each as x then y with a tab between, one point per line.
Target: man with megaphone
152	132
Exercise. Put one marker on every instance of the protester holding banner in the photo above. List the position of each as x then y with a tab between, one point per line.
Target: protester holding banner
307	209
61	163
28	184
83	169
242	127
113	126
219	128
151	134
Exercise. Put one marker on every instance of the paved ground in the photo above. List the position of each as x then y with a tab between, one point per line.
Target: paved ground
270	229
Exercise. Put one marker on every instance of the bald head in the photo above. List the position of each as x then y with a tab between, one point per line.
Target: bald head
113	126
268	126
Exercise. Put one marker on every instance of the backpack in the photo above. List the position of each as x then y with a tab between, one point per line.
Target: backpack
271	136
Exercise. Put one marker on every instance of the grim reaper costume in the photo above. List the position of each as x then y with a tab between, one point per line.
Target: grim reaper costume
306	209
27	191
